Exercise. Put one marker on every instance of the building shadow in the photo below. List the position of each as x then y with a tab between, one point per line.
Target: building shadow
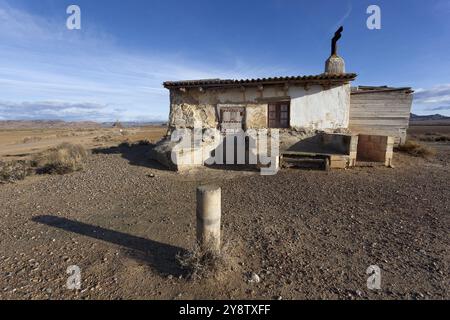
239	148
160	256
137	154
334	144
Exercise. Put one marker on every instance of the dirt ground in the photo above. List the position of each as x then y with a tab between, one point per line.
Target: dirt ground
307	234
22	143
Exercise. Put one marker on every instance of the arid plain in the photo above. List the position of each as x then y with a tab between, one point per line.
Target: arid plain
305	233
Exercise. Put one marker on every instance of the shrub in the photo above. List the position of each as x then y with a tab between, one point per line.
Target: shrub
442	138
416	149
204	262
140	143
31	139
144	142
105	138
65	158
14	171
435	138
125	144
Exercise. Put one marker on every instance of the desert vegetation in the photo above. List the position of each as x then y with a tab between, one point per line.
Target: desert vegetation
435	137
416	149
202	262
11	171
63	159
31	139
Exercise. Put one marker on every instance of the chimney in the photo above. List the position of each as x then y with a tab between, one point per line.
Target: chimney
335	64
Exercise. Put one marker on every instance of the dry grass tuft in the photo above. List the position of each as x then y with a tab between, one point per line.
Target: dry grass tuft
65	158
144	142
435	137
416	149
14	171
104	138
140	143
203	263
31	139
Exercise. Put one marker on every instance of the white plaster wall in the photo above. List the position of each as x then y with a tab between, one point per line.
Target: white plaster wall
316	108
320	109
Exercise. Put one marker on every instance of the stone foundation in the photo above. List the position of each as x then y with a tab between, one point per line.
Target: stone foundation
336	142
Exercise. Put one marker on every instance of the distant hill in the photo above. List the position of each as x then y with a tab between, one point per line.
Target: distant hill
47	124
130	124
60	124
429	120
415	117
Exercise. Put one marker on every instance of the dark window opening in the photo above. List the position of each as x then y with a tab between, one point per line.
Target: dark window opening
279	115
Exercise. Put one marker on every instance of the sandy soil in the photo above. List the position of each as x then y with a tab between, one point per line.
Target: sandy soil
21	143
307	234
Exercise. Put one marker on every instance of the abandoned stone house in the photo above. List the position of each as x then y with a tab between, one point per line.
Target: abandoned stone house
320	117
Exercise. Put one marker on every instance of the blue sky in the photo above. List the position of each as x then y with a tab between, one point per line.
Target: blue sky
113	68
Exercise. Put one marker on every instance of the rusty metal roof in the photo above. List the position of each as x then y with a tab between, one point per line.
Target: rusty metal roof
372	89
321	78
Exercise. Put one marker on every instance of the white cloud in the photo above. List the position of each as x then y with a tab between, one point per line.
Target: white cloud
441	108
437	94
21	27
40	60
344	17
69	111
433	99
16	24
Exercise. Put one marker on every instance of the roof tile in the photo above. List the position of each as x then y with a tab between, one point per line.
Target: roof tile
273	80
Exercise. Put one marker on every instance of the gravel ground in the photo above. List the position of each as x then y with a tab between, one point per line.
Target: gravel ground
306	234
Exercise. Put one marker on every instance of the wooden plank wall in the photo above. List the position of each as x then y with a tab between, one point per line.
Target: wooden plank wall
383	113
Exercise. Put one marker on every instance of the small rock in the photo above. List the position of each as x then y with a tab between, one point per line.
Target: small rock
254	278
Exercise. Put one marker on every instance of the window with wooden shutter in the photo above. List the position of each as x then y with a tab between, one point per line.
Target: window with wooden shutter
232	118
279	115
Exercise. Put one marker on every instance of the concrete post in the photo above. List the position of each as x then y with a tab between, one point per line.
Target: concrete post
209	211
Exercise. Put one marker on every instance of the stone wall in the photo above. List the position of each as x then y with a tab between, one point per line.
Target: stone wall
186	109
312	108
256	116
